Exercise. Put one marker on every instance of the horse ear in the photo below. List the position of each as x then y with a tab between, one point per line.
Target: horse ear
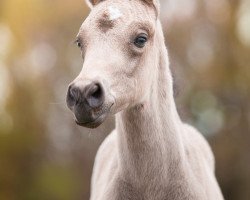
92	3
154	3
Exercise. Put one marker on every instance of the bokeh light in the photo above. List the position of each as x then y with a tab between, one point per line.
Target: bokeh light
44	155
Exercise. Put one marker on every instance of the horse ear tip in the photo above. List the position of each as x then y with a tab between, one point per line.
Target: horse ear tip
91	3
149	1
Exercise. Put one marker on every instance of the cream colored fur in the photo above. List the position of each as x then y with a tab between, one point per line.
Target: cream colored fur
152	154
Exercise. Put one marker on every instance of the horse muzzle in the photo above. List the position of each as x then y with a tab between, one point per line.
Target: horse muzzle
87	102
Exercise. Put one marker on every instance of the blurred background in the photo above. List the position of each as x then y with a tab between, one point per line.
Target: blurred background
44	155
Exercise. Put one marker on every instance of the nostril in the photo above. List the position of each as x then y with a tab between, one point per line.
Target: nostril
97	91
70	93
72	96
74	93
95	95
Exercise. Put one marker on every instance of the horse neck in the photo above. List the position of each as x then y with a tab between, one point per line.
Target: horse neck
149	133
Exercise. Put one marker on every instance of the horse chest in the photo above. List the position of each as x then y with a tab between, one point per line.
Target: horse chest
121	190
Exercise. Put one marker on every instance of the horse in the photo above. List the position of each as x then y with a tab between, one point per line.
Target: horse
151	154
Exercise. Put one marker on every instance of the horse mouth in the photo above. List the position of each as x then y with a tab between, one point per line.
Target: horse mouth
92	124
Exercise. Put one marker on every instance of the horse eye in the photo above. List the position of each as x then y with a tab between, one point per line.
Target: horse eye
141	40
78	43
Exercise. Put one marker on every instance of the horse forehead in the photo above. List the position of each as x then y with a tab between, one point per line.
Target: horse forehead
113	13
108	17
112	16
109	13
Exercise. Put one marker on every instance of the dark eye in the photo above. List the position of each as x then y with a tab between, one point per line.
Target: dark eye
141	40
78	43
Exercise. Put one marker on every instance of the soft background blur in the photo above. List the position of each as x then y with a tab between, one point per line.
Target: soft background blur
44	155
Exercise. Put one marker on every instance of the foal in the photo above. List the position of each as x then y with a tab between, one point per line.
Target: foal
152	154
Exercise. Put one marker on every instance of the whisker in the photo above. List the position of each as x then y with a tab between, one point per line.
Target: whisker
57	103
